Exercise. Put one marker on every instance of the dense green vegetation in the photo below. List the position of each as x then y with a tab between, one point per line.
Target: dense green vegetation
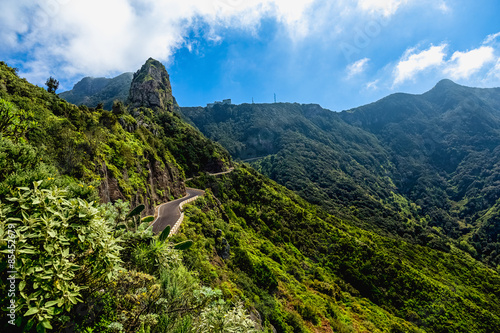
419	167
82	264
91	91
445	148
137	155
251	255
315	153
305	270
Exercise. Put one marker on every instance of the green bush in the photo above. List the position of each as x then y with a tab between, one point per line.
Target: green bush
219	317
62	246
14	123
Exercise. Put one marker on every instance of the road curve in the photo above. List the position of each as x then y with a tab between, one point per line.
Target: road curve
214	174
169	213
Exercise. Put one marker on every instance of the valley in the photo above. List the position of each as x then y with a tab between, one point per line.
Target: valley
383	218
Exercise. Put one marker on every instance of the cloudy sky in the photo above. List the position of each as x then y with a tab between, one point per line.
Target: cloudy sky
340	54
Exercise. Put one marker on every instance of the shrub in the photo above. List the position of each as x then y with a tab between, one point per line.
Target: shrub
62	246
14	123
221	318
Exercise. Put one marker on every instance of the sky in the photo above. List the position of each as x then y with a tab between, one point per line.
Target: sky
339	54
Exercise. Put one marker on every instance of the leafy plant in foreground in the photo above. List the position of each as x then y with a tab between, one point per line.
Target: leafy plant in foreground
62	246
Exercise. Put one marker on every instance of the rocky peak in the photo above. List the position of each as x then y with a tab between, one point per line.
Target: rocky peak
151	87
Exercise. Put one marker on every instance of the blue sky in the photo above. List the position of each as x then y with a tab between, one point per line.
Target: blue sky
339	54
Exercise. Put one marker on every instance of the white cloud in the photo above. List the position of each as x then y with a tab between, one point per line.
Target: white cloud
386	7
96	37
357	67
412	63
464	64
71	38
443	6
494	73
491	38
373	85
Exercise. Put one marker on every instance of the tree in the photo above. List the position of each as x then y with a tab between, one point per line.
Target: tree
14	123
118	108
52	85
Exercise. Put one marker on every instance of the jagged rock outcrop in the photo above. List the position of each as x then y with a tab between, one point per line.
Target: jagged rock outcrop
161	179
167	150
151	87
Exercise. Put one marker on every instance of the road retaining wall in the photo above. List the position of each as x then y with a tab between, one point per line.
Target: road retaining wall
181	218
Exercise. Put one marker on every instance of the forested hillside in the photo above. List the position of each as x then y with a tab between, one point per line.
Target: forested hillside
311	151
91	91
306	270
421	167
69	179
445	146
77	184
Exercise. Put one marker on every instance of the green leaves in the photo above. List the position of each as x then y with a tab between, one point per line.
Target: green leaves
51	303
136	211
164	234
148	219
31	311
58	258
183	245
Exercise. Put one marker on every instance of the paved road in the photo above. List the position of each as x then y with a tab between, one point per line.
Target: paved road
214	174
169	212
254	158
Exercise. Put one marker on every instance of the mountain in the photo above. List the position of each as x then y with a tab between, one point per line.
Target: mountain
311	151
445	146
423	167
91	91
151	87
85	167
250	256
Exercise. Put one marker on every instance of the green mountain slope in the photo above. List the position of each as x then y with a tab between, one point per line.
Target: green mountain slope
325	275
68	178
91	91
423	167
262	258
325	160
444	145
130	154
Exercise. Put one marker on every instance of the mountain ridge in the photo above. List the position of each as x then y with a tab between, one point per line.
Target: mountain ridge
415	148
91	91
254	251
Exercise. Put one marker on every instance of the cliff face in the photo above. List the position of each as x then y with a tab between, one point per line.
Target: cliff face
161	184
151	87
160	176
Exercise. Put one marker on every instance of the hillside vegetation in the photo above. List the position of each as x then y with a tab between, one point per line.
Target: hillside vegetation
419	167
78	186
306	270
91	91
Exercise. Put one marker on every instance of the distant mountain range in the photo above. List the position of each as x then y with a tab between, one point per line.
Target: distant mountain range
417	166
423	167
405	192
91	91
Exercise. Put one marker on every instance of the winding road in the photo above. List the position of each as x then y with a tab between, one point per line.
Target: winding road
215	174
169	212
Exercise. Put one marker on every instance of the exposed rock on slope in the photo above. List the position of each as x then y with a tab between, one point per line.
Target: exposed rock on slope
151	87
